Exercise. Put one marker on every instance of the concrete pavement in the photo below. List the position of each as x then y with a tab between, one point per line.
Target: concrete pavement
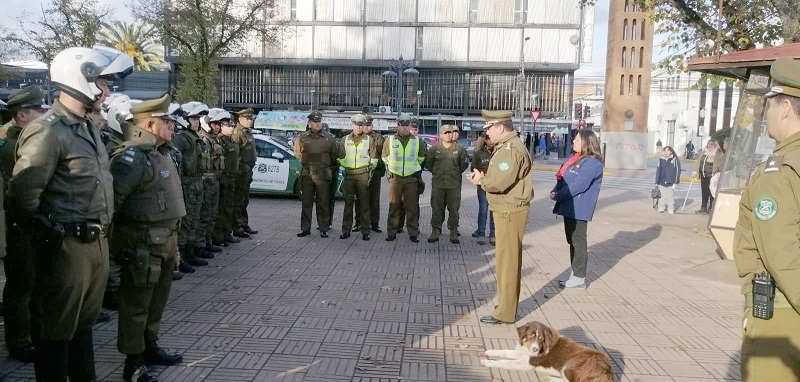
282	308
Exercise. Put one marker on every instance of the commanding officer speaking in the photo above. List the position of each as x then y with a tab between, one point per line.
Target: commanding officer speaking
316	150
446	160
767	239
243	135
23	107
374	181
62	187
149	204
404	154
358	155
509	186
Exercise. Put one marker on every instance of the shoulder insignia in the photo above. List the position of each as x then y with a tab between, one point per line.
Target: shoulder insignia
508	145
129	155
766	207
774	163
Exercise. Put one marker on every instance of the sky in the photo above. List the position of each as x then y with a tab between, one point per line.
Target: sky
589	72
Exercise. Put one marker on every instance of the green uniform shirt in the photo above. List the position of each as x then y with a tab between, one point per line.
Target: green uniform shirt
767	235
316	150
446	165
509	182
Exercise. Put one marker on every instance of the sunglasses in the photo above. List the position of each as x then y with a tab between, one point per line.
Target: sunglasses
404	124
448	132
359	123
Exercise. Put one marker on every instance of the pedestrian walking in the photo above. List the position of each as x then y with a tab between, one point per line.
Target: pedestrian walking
704	171
576	191
508	183
668	176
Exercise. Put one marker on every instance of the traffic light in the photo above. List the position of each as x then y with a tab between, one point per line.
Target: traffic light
587	111
578	111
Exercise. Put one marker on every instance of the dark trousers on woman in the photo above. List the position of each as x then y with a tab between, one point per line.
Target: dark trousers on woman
705	188
578	252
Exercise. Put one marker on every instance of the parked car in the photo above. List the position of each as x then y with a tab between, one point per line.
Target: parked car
469	145
430	139
277	170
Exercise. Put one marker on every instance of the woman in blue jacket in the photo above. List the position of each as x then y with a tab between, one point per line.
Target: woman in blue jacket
576	194
668	175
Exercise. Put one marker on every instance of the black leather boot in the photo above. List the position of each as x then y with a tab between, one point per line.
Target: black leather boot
192	258
156	355
136	371
81	356
230	239
52	360
202	253
211	248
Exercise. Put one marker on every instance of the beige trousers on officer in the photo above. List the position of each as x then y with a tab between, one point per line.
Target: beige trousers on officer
509	230
771	348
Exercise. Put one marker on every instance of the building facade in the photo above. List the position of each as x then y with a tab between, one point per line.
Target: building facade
344	55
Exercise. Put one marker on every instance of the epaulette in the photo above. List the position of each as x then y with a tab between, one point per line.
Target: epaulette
52	119
773	163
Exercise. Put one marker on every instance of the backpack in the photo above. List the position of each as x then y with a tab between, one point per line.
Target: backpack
655	194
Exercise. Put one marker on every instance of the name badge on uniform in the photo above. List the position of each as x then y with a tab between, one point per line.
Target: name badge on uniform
165	174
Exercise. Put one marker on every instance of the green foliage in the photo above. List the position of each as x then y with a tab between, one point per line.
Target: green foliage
198	81
62	24
721	135
137	41
201	32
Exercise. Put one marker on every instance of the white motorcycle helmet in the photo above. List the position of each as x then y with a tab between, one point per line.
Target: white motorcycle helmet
214	115
176	112
112	100
193	109
118	113
74	71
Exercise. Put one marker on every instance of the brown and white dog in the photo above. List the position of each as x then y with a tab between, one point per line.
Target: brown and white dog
542	348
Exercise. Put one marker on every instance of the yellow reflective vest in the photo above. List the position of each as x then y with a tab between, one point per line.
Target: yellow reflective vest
356	155
404	161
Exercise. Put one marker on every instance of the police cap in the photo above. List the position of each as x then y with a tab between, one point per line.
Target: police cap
448	128
368	118
30	97
154	108
245	113
404	119
786	73
496	116
358	119
315	116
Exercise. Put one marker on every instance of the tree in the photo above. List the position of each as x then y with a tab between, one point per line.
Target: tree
202	32
135	40
692	25
6	51
63	24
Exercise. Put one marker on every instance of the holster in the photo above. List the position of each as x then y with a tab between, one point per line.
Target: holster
144	268
47	236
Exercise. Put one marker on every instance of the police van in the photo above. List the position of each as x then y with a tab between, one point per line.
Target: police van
277	170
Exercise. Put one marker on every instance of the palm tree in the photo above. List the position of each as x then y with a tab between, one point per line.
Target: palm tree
137	41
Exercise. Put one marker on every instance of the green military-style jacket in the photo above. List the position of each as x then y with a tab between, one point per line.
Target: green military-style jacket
247	147
481	156
767	236
509	180
7	158
446	165
316	150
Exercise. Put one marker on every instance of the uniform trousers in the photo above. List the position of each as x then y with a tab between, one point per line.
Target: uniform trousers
226	216
510	228
770	347
189	232
575	230
142	304
356	190
209	210
67	296
441	199
374	201
243	180
403	197
315	190
18	290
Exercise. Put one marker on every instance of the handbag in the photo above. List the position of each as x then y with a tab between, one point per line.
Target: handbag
655	194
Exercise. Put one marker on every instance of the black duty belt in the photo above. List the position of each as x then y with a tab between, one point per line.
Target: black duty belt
86	231
357	171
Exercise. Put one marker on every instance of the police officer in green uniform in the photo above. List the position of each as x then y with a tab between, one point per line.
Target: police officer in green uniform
24	106
375	181
414	131
243	135
404	154
226	217
480	162
446	160
195	159
216	165
149	204
68	211
316	150
508	183
358	155
767	238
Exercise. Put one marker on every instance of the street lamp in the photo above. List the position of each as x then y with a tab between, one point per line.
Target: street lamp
532	147
419	95
701	124
397	70
521	92
312	91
